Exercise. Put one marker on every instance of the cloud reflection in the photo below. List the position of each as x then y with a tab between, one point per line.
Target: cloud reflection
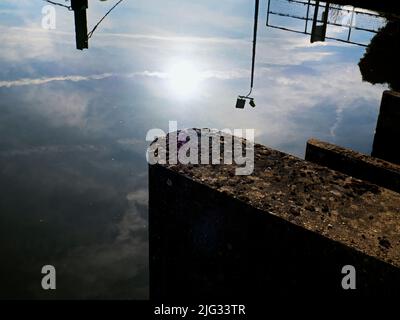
73	171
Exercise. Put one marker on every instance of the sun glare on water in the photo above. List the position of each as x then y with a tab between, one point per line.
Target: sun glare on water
183	80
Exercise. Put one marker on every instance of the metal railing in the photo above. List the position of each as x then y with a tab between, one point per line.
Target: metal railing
332	16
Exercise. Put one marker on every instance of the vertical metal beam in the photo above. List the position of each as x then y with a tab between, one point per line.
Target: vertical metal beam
268	10
257	6
318	32
314	24
308	12
351	24
81	31
325	18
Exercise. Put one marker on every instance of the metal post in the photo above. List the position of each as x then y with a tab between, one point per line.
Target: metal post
351	24
81	31
387	133
308	11
254	40
268	10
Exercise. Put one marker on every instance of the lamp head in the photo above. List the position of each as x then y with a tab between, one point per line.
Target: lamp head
240	102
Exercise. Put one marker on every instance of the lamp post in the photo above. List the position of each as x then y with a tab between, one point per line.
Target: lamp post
241	100
79	7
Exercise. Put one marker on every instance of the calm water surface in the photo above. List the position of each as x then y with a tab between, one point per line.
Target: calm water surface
73	173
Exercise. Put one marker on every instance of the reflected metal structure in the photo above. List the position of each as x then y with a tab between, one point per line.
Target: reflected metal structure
323	15
80	7
241	100
81	31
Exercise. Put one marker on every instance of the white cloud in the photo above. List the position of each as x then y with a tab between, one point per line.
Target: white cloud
75	78
207	74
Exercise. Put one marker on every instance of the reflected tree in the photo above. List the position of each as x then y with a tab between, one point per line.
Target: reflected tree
381	61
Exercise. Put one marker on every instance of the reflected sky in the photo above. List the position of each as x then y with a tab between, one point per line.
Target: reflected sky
73	124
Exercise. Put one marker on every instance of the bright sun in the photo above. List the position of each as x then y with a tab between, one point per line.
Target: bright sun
183	80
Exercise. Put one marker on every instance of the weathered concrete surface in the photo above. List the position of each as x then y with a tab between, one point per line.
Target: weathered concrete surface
358	165
287	229
387	134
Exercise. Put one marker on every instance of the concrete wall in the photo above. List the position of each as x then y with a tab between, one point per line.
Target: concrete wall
380	172
288	229
387	136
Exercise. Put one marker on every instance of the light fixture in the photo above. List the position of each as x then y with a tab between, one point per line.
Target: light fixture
241	100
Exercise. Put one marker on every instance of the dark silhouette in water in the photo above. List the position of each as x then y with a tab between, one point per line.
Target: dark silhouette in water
387	133
241	100
81	31
323	16
79	7
318	32
381	61
380	6
380	64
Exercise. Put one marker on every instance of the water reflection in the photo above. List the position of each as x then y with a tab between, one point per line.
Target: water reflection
81	31
380	34
324	20
79	7
184	80
73	124
380	63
